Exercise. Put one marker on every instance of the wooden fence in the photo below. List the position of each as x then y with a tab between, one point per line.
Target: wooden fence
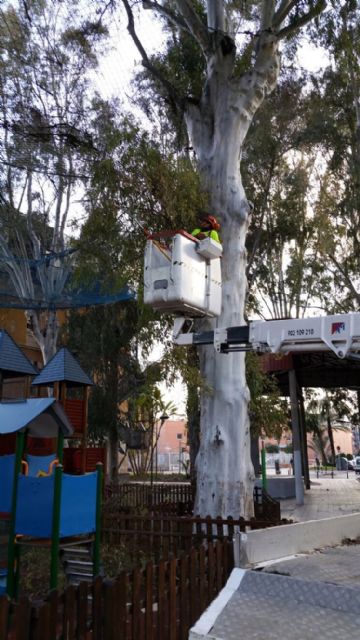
160	602
160	536
170	498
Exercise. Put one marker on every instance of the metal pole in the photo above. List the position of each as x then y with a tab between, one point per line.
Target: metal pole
60	447
55	534
99	483
299	485
10	582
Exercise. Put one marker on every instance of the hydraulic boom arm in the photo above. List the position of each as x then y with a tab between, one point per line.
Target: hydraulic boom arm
338	333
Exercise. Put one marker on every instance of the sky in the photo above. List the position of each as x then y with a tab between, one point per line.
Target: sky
116	68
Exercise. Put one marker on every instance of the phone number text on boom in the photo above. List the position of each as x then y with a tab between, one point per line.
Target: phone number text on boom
292	333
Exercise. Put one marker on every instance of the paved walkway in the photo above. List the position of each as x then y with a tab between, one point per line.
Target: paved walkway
337	565
308	596
328	497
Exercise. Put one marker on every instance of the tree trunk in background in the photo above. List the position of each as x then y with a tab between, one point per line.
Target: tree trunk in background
113	456
255	454
46	337
331	437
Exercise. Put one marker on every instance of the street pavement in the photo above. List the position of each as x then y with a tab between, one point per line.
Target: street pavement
314	595
328	497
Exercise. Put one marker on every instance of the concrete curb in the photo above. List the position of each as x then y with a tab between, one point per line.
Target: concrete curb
208	618
275	543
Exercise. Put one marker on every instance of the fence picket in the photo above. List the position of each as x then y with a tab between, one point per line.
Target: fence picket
40	623
184	597
121	606
97	608
69	611
82	605
4	616
211	572
218	556
149	600
109	610
53	600
173	635
136	604
22	619
160	603
193	587
202	580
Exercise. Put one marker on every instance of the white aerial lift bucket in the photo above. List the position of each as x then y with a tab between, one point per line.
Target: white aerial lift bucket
182	275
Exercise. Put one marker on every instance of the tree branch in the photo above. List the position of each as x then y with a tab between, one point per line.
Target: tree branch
196	27
216	15
173	94
176	19
297	23
267	14
283	10
346	277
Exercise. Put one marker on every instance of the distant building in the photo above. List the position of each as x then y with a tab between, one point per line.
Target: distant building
172	448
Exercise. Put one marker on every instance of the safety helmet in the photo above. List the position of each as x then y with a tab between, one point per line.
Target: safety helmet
212	221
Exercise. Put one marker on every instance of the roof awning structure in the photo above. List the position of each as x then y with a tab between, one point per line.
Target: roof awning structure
42	417
313	369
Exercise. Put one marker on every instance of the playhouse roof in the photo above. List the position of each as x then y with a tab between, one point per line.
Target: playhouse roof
42	416
62	368
13	362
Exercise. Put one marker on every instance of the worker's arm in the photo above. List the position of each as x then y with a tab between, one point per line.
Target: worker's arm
215	236
198	234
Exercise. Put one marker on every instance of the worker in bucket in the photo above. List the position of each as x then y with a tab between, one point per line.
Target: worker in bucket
208	228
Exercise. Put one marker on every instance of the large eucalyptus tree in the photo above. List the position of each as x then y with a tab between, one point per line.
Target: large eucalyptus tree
238	43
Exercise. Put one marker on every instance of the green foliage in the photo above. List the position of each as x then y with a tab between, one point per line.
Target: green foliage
268	412
272	448
285	267
134	186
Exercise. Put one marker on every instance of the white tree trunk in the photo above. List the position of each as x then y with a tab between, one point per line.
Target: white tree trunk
45	337
217	129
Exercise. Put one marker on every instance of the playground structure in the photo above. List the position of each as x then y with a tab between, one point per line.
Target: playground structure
70	386
39	504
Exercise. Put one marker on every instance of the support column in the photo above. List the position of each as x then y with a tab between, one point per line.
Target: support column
299	486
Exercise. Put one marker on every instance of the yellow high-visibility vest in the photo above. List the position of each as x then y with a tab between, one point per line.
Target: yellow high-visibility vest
209	234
